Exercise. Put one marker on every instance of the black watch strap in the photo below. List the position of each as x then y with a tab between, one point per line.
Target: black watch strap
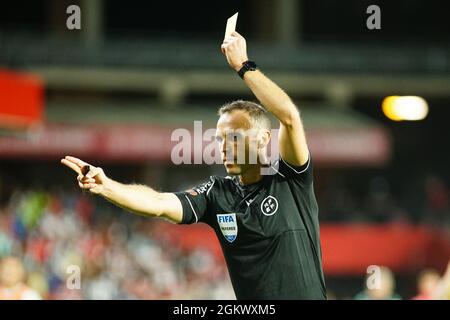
247	66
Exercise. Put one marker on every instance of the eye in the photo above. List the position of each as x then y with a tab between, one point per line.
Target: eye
233	137
237	137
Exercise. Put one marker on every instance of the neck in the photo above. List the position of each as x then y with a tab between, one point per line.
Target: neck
252	175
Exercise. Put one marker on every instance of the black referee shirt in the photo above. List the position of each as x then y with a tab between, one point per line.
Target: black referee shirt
269	231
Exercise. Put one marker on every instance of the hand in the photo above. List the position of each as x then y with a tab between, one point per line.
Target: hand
234	48
94	181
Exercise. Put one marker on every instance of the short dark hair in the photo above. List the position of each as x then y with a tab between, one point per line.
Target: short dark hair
258	113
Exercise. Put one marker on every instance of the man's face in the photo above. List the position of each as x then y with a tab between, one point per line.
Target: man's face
238	140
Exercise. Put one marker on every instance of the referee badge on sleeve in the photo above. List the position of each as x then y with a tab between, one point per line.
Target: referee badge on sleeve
228	226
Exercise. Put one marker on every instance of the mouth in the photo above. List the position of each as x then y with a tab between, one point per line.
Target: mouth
229	161
229	164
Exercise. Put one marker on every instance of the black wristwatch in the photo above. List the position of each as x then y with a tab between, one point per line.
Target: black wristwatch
247	66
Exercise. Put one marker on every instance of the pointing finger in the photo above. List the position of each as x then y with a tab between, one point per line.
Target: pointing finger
77	161
71	165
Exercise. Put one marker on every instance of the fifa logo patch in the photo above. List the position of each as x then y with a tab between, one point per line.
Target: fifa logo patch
269	206
228	226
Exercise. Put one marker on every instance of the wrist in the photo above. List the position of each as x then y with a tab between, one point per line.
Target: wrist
239	66
108	188
248	65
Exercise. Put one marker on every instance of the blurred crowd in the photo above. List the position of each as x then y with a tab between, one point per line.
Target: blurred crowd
52	247
59	245
430	286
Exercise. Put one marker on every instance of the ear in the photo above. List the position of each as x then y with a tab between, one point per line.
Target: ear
264	138
263	142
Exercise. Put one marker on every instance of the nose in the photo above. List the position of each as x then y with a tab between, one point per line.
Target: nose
226	150
223	146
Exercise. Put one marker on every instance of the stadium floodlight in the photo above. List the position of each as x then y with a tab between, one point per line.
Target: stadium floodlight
405	108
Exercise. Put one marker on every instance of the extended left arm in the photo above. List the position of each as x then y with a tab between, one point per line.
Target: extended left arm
292	140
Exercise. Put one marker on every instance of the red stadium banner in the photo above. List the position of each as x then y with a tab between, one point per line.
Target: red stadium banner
368	147
347	249
21	100
350	249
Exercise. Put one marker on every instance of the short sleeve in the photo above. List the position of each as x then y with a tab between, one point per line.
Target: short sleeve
302	173
195	202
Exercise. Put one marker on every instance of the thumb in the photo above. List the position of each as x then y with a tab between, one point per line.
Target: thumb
236	34
223	48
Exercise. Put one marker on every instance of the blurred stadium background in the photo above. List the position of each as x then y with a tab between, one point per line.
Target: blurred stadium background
112	93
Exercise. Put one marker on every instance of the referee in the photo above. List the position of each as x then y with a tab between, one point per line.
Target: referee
267	224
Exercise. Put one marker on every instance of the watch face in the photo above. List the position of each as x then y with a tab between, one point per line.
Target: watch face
251	65
248	66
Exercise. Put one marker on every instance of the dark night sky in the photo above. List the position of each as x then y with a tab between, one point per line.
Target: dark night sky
425	21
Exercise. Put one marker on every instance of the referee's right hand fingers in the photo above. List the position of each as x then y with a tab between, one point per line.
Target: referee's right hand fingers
87	185
83	186
94	172
74	163
84	179
71	165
